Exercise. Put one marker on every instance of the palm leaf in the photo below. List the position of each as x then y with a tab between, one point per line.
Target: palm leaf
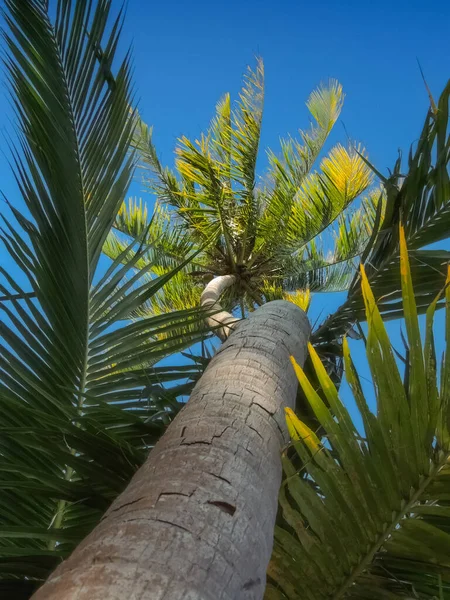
81	400
328	265
421	199
368	517
288	172
323	196
167	243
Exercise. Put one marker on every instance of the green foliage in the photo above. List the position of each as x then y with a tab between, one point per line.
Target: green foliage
368	517
264	232
420	199
80	398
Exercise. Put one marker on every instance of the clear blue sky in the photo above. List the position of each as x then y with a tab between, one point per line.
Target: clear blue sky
187	54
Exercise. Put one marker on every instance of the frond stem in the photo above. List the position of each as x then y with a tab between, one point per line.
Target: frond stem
409	507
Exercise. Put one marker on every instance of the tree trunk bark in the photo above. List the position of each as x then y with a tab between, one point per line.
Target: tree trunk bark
196	521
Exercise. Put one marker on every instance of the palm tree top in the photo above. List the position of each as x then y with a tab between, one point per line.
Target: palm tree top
265	231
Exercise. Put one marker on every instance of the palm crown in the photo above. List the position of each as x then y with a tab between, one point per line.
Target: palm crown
266	233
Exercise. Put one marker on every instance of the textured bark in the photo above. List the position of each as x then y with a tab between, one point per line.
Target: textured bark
196	521
210	299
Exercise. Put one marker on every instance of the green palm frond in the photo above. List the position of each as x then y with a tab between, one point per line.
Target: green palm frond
244	129
297	157
288	172
367	517
324	195
81	399
327	270
209	202
221	168
215	188
421	199
167	243
164	182
132	218
181	292
167	246
425	193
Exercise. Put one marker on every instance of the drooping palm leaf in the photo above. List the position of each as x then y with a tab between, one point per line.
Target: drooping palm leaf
80	398
167	243
323	196
367	517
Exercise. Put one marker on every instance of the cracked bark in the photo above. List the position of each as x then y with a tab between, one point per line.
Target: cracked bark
196	521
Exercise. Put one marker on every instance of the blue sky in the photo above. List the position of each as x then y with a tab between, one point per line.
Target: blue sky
187	54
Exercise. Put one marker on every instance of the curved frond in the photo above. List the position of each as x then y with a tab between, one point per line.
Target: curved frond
288	172
181	292
167	242
327	270
324	195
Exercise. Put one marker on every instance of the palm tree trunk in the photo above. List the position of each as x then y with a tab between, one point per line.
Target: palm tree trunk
197	519
210	300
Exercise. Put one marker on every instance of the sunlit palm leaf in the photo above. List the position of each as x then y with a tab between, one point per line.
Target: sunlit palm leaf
288	172
326	270
167	242
181	292
323	196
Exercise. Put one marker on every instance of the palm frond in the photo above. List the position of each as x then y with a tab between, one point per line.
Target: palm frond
421	199
324	195
327	270
367	517
214	193
168	243
325	105
181	292
288	172
81	399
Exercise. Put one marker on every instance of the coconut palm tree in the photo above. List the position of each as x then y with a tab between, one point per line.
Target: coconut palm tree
203	527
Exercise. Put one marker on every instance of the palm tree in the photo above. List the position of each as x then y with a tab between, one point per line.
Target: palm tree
203	527
230	434
368	517
224	214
